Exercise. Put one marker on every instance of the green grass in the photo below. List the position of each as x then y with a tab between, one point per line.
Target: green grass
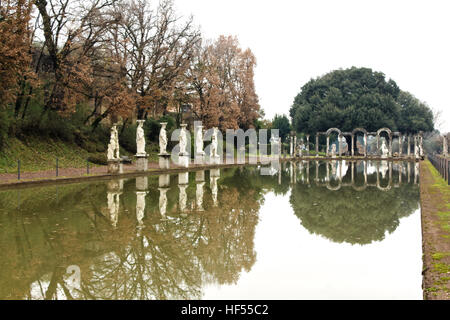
440	255
35	154
39	154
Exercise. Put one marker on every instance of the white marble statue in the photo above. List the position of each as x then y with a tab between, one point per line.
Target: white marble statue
199	141
384	149
140	139
199	196
183	140
163	139
110	151
163	201
214	144
113	147
116	144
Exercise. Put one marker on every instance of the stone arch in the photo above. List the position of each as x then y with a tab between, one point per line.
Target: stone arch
328	133
389	133
354	133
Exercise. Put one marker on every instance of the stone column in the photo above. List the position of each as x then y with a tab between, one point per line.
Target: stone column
340	145
445	146
421	150
409	146
353	145
400	145
317	144
365	145
295	146
307	144
291	146
416	148
328	146
390	145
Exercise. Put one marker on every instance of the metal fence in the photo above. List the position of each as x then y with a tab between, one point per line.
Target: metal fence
442	165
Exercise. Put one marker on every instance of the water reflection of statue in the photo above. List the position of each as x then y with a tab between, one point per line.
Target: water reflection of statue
183	197
163	201
333	151
384	149
183	140
214	175
140	207
113	207
199	196
140	139
384	167
163	139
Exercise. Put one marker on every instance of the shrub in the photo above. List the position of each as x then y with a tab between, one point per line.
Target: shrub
4	127
128	139
99	159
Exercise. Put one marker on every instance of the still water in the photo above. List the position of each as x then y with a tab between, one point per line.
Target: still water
312	230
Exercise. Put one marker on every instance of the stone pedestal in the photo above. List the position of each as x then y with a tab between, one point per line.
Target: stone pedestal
184	160
214	160
115	167
142	162
164	161
200	159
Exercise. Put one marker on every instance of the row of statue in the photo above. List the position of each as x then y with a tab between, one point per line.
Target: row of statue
384	151
113	147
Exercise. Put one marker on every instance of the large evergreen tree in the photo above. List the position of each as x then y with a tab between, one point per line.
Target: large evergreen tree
358	97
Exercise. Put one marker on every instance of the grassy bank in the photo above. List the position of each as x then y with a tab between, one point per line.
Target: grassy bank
37	154
435	201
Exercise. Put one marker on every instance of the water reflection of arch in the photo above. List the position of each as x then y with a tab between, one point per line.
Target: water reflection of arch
355	167
328	180
389	186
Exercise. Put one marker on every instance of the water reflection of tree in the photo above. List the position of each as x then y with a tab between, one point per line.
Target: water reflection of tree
165	259
350	216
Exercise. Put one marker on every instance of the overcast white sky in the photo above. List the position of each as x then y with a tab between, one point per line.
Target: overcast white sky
295	41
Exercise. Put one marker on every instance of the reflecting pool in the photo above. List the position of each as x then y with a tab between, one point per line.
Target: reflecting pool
311	230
